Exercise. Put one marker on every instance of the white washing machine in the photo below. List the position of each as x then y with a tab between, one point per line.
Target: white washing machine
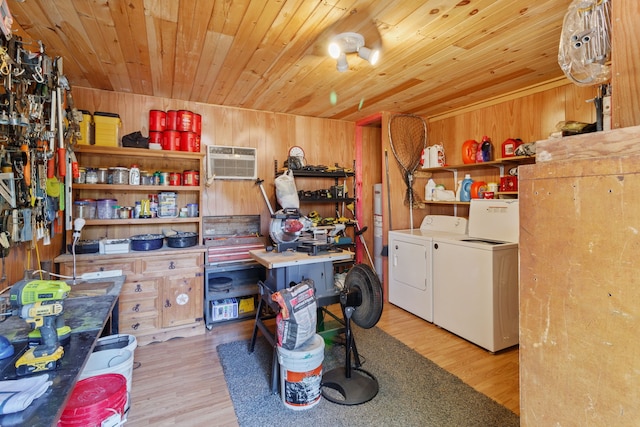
410	262
476	288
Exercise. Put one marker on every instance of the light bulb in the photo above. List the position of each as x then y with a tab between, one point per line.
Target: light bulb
334	50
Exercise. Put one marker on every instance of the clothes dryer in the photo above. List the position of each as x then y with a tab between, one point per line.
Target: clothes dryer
410	262
476	290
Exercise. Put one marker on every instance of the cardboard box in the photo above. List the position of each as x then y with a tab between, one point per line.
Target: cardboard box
246	305
224	309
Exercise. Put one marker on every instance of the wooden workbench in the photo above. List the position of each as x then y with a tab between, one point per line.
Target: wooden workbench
87	313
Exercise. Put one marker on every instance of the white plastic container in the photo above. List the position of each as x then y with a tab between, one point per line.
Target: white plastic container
301	374
429	189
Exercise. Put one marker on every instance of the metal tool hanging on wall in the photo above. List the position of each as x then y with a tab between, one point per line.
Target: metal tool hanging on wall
39	127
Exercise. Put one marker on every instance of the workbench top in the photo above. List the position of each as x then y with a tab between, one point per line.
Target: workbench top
274	259
87	317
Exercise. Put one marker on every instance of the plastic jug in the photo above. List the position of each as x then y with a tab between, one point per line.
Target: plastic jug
429	189
486	149
465	188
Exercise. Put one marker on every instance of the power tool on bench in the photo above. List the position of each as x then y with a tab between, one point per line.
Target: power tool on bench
40	304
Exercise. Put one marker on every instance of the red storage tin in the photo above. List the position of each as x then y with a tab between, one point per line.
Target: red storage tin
155	137
190	178
172	120
196	124
175	178
157	120
197	147
171	140
185	119
187	141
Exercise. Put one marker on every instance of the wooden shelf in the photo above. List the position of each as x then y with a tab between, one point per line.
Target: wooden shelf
139	221
152	188
132	153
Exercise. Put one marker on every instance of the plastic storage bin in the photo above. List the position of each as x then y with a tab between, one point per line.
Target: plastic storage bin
86	128
106	129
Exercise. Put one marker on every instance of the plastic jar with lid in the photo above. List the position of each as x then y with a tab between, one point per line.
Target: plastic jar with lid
105	208
84	208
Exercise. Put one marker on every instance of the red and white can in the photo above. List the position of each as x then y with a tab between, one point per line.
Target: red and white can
187	141
196	124
190	177
157	120
185	119
155	137
172	120
171	140
175	178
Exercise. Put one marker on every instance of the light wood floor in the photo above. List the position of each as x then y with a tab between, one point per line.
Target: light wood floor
180	382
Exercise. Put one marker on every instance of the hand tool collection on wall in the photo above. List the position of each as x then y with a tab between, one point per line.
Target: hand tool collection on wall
38	128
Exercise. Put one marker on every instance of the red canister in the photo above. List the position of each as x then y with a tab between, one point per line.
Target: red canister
175	178
196	148
185	118
157	120
196	124
172	120
187	141
155	137
171	140
190	178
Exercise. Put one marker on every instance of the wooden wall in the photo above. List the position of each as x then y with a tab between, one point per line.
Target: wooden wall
324	141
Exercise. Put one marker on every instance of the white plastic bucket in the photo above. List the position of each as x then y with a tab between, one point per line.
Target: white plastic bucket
115	361
301	374
112	342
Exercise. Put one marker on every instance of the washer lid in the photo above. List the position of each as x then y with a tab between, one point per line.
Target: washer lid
494	219
451	224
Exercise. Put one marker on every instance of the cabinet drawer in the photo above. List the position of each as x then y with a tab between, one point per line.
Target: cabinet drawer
138	325
127	266
140	289
172	262
134	307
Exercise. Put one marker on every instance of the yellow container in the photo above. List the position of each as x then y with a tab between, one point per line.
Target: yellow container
106	128
85	128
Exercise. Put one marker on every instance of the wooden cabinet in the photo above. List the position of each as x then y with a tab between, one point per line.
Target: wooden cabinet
162	297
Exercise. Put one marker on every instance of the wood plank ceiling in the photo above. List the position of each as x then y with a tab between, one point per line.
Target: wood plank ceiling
437	55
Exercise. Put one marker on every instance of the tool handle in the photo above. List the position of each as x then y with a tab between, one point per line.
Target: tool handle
49	337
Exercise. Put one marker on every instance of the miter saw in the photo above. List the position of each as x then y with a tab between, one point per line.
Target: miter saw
40	304
290	230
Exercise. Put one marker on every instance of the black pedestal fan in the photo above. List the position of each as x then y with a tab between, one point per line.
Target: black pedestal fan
361	300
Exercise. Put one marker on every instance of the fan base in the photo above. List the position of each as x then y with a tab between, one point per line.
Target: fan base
360	388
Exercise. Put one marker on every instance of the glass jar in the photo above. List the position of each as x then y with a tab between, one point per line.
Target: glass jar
119	176
91	176
102	174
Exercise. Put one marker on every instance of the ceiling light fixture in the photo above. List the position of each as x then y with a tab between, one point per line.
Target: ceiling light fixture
351	43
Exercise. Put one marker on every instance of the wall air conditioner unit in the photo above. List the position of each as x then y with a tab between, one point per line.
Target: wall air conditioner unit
231	162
